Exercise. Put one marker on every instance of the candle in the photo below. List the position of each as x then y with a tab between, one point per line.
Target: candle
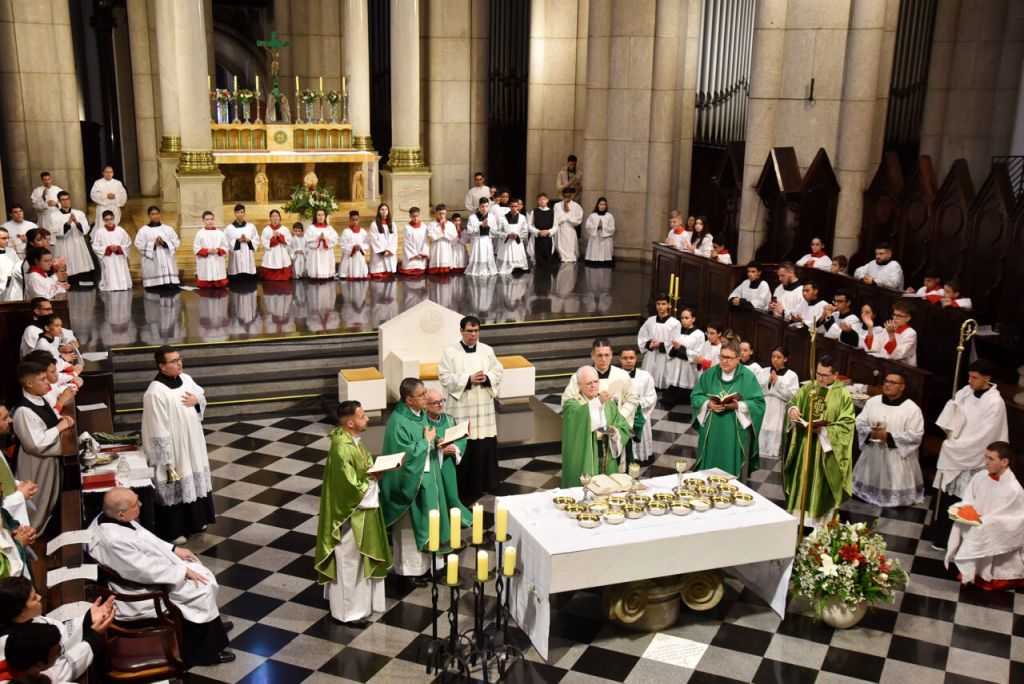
257	84
481	566
209	83
453	569
296	83
456	528
321	84
434	530
500	522
478	524
343	86
236	84
510	562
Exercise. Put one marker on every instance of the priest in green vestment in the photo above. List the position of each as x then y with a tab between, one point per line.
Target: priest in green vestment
451	453
728	425
409	493
830	471
585	422
352	552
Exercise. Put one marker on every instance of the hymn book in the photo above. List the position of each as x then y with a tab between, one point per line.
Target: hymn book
454	434
384	463
723	398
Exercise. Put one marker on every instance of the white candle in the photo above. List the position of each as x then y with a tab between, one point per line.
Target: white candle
500	522
453	569
510	562
478	524
455	521
481	565
434	530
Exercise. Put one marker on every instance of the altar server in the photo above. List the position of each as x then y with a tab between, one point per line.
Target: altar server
108	194
297	250
830	473
44	199
687	348
8	259
789	294
477	192
277	260
243	241
321	239
712	347
543	232
932	290
817	258
643	385
444	242
719	252
752	293
990	554
952	297
810	309
747	358
481	251
594	432
728	429
111	245
39	282
459	255
383	244
889	430
136	554
512	232
41	307
600	230
69	228
779	383
18	228
883	271
655	339
210	245
157	243
470	376
974	418
175	446
864	334
568	217
900	343
678	233
700	239
352	551
839	317
415	249
355	243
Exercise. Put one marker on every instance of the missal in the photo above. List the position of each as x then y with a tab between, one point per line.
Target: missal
455	433
385	463
724	398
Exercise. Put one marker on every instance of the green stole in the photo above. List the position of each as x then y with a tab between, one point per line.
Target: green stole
722	441
579	442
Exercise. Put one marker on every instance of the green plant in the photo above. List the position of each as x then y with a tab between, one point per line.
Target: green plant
306	201
308	96
246	95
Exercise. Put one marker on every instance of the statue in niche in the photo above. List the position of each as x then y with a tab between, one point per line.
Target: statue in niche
358	186
262	185
310	180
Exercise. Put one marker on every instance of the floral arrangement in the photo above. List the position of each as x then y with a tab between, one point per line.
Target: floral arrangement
308	96
332	96
222	95
307	200
246	95
846	562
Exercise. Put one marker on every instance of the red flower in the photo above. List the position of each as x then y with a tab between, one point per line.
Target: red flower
850	553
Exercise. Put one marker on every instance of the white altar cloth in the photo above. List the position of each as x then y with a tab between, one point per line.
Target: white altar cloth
755	543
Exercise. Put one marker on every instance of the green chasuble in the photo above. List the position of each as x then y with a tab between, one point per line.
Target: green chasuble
409	488
579	441
831	482
722	441
449	479
345	484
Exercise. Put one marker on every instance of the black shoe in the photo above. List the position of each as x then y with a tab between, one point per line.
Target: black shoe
228	625
419	580
355	624
225	656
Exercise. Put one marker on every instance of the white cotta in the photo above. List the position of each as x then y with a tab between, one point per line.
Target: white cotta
444	243
906	346
993	549
17	231
834	328
475	404
241	255
674	239
159	265
100	189
278	256
76	654
822	263
600	229
114	271
618	383
38	465
481	253
643	387
984	423
69	241
566	221
138	555
473	197
692	345
759	297
355	245
884	476
775	397
383	239
210	268
320	243
807	311
414	243
511	234
791	298
39	285
703	245
297	250
658	363
889	274
172	434
41	198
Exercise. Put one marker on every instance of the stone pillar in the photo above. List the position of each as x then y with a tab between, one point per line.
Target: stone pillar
356	69
40	133
170	136
406	177
142	86
593	156
690	21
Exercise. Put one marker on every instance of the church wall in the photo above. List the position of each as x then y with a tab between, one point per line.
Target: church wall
144	87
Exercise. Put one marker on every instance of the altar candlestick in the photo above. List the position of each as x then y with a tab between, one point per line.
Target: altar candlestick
456	528
209	83
481	566
296	83
510	562
500	522
321	84
453	569
257	84
434	530
478	524
236	84
344	89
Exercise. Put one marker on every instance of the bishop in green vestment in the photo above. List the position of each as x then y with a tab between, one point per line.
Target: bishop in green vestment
830	472
728	431
582	414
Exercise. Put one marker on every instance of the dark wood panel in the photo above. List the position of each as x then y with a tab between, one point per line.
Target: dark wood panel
14	316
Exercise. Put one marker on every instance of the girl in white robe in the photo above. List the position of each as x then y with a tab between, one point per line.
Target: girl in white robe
687	348
779	384
655	339
444	243
321	238
111	245
817	258
210	247
700	242
355	243
600	229
277	259
711	349
888	472
481	253
511	234
383	244
297	250
158	243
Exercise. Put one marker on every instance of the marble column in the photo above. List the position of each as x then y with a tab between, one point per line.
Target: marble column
594	152
170	135
355	58
142	86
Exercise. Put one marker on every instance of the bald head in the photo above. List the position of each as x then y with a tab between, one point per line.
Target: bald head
117	500
586	378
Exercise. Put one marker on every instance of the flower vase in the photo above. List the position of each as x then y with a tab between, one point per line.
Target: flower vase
246	110
838	614
333	111
307	108
222	113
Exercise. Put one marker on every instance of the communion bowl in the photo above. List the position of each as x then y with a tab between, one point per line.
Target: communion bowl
706	491
574	509
743	499
681	508
693	483
664	496
588	520
684	498
562	501
722	501
714	480
700	504
597	508
614	517
657	508
633	511
681	490
638	499
617	501
729	489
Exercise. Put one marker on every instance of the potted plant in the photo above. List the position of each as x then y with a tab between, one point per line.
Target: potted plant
222	97
333	97
245	98
306	200
308	98
841	568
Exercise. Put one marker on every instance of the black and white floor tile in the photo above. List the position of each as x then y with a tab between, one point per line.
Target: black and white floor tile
267	476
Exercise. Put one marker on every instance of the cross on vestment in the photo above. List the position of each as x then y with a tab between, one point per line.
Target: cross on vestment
273	46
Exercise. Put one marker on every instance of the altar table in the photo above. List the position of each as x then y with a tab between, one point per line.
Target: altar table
754	543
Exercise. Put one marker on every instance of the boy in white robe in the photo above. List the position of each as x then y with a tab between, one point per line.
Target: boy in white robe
18	228
779	384
210	246
69	228
459	253
383	244
355	243
568	217
157	243
321	239
243	241
789	294
810	309
277	259
38	281
8	259
643	387
297	250
952	297
476	193
511	234
415	249
817	258
136	554
752	293
838	316
600	229
444	243
889	431
481	252
108	194
44	199
111	245
883	271
719	253
990	553
932	289
655	339
677	231
901	340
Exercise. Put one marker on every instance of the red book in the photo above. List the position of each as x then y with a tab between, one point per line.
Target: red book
99	481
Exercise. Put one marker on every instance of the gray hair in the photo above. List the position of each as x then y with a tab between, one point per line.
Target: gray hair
408	386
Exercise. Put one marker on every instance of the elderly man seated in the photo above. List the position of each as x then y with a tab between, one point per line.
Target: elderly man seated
136	554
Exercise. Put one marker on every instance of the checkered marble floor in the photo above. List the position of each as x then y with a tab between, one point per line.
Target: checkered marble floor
267	476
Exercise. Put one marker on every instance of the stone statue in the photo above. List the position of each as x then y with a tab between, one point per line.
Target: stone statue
262	185
271	108
358	186
286	114
310	180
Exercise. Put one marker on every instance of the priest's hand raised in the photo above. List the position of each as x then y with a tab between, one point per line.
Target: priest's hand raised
184	554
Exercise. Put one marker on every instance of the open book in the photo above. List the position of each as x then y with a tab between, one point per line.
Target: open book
723	398
384	463
610	484
455	433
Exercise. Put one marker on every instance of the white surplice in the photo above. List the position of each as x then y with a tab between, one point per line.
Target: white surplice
100	189
756	292
599	230
643	386
565	240
210	268
242	255
887	475
383	239
904	349
37	458
69	240
511	234
414	243
657	362
889	274
298	251
355	244
17	231
114	271
822	262
159	264
320	243
475	404
75	653
790	296
278	255
677	237
41	198
984	423
775	397
473	197
444	243
691	348
479	230
172	434
994	550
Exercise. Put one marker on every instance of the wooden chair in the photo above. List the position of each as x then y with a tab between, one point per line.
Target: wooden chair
146	650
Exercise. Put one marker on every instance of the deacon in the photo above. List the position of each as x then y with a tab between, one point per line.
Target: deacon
44	199
173	439
157	243
593	430
728	407
883	271
642	443
409	493
655	339
136	554
830	478
470	375
108	194
242	243
352	551
973	419
69	228
889	431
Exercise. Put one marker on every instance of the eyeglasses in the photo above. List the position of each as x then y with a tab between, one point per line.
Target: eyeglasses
435	403
418	396
723	357
901	315
170	362
824	376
